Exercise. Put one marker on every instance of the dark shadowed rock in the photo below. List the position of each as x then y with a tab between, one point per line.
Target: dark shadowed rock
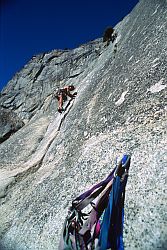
9	124
121	107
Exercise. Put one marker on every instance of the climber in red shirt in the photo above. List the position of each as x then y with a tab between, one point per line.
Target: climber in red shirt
61	95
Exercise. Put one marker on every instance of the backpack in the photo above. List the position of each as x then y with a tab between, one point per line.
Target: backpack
95	218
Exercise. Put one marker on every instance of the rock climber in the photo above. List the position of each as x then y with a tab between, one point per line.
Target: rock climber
61	95
109	35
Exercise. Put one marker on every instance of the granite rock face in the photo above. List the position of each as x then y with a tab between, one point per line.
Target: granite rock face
121	107
9	124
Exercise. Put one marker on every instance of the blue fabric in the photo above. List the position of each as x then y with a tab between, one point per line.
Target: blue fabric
124	159
103	238
121	243
111	235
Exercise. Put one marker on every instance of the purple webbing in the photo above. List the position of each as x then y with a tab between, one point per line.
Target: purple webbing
102	183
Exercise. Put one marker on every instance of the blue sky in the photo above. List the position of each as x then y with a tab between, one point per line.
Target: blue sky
30	27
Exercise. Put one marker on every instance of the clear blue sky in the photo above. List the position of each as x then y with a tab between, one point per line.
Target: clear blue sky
30	27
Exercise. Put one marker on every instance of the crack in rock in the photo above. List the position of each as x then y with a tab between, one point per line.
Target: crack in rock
34	163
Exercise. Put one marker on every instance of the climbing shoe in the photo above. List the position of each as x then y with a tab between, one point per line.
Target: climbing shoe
60	110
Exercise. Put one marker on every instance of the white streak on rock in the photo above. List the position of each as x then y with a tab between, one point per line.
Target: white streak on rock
130	58
137	61
122	98
154	65
157	87
156	59
155	10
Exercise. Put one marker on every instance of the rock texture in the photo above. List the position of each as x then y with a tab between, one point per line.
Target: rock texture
9	124
121	107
